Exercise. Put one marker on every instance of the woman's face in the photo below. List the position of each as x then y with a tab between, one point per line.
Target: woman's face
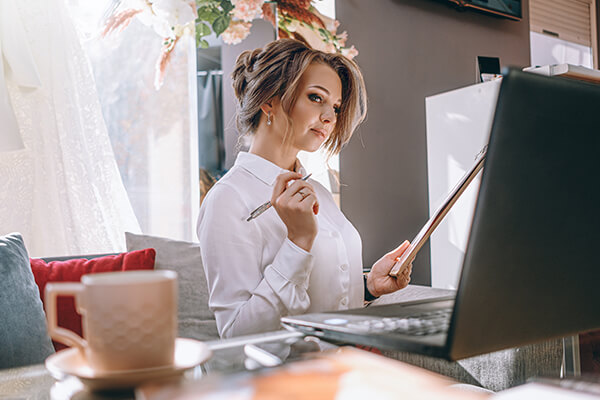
314	115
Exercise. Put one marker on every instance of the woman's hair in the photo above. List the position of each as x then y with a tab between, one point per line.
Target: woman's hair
274	72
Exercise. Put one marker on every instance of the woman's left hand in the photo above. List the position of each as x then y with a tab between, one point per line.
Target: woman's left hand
379	282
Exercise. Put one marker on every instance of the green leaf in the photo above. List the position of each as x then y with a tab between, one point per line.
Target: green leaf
199	36
203	44
203	29
220	24
226	6
207	14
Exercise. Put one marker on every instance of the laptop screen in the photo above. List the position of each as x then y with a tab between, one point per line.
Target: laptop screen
531	268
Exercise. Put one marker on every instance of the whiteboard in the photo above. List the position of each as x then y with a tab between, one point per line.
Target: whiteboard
458	126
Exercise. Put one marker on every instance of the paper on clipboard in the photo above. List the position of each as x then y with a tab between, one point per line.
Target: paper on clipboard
411	252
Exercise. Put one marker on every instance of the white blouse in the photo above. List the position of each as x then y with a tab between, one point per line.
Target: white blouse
255	274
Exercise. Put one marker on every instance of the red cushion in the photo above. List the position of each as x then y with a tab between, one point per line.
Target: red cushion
72	270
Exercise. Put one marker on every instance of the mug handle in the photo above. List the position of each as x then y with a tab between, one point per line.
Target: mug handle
56	332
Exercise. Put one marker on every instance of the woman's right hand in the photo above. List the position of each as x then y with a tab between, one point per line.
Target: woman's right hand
297	206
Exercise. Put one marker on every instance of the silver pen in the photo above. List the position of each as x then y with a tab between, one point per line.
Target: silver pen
265	206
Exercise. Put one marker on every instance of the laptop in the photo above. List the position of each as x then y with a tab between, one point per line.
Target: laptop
531	270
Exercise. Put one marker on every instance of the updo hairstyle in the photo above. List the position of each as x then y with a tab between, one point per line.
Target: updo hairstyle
275	70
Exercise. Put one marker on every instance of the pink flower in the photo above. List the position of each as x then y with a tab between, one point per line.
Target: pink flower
247	10
342	37
236	32
350	52
118	22
163	61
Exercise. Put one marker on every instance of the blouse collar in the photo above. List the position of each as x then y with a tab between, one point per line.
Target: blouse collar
261	168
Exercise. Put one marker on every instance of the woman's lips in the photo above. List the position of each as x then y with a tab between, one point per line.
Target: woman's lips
320	132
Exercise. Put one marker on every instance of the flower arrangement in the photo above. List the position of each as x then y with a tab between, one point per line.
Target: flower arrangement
229	19
299	19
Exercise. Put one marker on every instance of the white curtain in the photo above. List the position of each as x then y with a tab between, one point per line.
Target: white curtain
154	133
63	191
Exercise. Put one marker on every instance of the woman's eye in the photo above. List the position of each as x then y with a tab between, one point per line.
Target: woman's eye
316	98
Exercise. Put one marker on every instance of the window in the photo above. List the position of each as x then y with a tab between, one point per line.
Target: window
153	132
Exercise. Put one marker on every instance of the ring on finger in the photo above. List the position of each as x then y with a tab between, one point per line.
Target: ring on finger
301	193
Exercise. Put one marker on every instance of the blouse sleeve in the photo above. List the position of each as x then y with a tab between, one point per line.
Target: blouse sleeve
245	295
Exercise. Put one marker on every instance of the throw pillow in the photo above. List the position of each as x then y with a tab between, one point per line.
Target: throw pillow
72	270
24	336
196	321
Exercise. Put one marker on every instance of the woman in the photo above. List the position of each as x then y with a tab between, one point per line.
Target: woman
302	254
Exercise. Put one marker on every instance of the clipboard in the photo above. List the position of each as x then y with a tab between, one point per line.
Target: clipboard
411	252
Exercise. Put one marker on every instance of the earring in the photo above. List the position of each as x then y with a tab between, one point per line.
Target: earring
269	119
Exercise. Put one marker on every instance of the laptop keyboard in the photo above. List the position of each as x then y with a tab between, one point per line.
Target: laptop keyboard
427	323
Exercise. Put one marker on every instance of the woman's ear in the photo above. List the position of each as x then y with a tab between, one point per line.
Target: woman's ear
267	108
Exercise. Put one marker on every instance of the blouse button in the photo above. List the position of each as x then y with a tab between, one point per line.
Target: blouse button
344	267
344	301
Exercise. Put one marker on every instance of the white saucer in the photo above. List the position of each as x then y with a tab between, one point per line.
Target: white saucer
188	354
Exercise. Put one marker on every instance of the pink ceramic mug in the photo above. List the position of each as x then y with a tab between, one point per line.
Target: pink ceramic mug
129	318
